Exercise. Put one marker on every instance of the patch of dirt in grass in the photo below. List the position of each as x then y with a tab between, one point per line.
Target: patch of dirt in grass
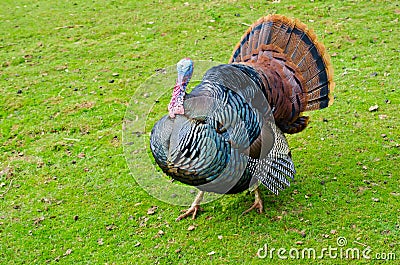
87	105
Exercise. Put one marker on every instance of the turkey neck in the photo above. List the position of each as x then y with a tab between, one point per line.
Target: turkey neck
185	71
176	104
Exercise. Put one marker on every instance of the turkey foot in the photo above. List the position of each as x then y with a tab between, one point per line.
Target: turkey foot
194	208
258	203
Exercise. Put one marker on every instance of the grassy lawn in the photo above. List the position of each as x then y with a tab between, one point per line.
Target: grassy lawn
68	195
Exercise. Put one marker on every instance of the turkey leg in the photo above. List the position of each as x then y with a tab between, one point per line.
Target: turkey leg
258	203
194	208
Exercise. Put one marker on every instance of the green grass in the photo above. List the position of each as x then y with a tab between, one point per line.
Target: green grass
67	195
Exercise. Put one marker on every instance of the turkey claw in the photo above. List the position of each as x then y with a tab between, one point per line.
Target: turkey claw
192	210
258	204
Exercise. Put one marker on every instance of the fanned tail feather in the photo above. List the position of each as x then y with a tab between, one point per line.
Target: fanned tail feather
276	34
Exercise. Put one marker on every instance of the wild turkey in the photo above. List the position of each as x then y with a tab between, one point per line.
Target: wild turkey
227	134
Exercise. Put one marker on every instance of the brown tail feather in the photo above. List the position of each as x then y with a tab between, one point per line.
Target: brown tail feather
282	48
